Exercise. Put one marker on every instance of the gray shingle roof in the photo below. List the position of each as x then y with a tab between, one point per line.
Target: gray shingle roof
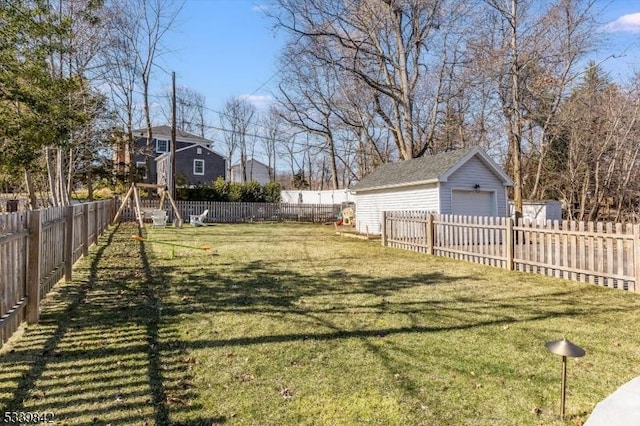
421	169
165	131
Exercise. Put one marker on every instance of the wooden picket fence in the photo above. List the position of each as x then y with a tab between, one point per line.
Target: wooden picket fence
37	249
232	212
600	253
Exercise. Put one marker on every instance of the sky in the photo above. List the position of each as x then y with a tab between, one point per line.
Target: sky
224	49
228	48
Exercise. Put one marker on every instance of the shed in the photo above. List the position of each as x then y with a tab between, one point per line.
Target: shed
539	211
462	182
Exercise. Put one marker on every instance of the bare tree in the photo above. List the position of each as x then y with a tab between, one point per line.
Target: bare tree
121	76
237	119
191	108
382	44
308	93
530	54
155	19
273	130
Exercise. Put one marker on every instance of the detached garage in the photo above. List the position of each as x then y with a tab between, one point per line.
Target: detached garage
462	182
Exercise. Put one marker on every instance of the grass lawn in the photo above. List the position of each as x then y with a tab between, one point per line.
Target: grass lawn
291	324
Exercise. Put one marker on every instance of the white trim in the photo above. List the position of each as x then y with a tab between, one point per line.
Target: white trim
195	161
163	156
168	142
199	145
506	180
397	185
142	164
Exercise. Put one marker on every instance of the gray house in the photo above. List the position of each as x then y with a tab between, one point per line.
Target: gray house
196	161
195	164
462	182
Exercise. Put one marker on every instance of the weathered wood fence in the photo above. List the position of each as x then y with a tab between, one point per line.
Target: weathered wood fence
604	254
37	249
230	212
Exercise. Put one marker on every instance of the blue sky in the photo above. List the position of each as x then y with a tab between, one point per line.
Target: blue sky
224	49
227	48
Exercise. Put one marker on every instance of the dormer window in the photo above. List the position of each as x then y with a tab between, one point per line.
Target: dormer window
162	145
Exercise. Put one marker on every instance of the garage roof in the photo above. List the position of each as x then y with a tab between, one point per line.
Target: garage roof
429	169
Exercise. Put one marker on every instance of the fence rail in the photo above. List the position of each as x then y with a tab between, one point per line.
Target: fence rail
37	249
230	212
604	254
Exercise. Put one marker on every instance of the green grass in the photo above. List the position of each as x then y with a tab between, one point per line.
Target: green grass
291	324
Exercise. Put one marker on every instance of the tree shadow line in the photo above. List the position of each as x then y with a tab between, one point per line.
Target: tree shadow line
102	350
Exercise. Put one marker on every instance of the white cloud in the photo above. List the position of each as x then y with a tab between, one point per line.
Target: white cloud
627	23
260	7
258	101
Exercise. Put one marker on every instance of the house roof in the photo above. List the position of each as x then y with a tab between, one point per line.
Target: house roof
165	131
166	154
239	164
429	169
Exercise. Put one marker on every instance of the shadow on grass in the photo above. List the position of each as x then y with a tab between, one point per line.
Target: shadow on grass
110	352
270	289
102	353
75	297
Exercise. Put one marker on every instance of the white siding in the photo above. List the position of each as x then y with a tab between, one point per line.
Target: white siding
255	171
316	197
471	173
371	204
539	211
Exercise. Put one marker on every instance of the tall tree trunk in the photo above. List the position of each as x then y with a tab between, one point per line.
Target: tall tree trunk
516	126
332	161
33	202
51	170
147	117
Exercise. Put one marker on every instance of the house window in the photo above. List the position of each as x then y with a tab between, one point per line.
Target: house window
198	167
199	150
162	145
141	168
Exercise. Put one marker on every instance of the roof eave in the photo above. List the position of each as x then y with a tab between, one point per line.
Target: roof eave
397	185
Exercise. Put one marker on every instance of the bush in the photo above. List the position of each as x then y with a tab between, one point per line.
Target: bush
272	192
219	190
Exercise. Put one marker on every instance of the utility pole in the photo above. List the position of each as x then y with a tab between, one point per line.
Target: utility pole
172	183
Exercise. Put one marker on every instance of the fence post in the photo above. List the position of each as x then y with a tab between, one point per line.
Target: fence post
636	257
85	229
33	270
97	212
509	244
384	229
430	233
68	243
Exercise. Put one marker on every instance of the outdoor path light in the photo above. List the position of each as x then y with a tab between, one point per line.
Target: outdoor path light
565	348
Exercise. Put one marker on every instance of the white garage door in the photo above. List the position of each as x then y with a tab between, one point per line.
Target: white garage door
472	203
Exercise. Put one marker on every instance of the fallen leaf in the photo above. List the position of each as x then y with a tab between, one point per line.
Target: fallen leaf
286	393
174	400
189	360
185	384
244	377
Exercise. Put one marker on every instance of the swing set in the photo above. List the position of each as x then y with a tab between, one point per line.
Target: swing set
134	195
